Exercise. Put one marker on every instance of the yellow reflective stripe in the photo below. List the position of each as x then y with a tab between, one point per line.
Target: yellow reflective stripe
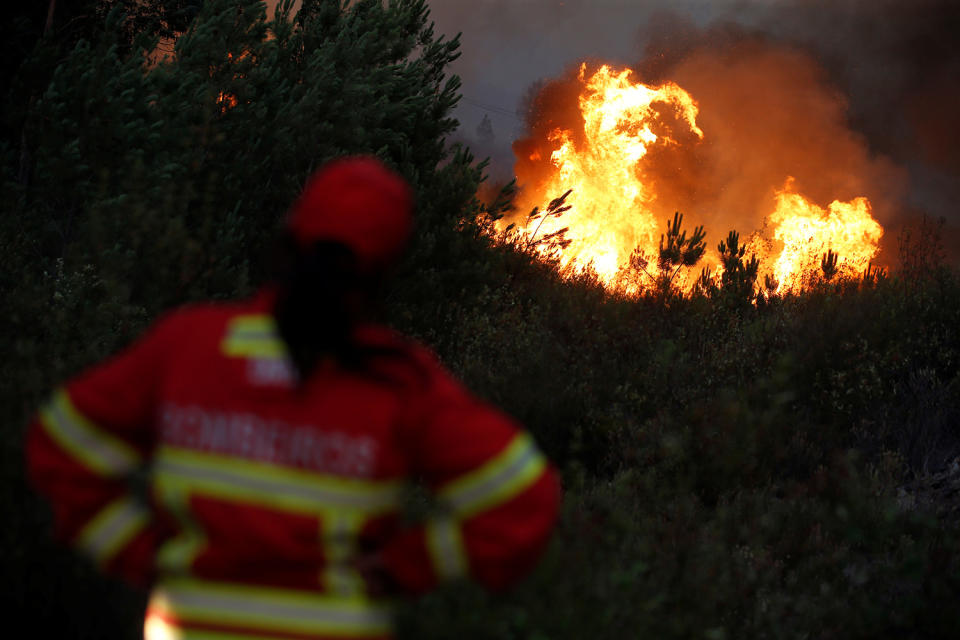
270	609
272	485
507	474
176	555
112	528
253	336
89	444
253	323
445	544
265	348
340	532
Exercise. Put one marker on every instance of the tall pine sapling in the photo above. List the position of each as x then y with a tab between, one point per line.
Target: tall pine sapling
828	265
739	275
676	251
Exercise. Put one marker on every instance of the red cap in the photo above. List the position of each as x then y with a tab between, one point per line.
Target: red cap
359	202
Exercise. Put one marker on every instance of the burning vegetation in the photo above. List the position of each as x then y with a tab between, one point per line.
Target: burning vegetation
751	140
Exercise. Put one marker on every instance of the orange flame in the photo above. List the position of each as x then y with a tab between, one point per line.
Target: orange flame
609	214
612	201
807	232
226	101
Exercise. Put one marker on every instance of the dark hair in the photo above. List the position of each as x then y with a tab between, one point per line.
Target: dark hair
321	296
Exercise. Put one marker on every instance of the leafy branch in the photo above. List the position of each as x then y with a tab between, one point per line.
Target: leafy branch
555	209
675	251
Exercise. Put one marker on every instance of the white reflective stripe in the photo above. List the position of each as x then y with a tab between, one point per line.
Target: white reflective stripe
269	609
112	528
272	485
340	532
445	544
503	477
89	444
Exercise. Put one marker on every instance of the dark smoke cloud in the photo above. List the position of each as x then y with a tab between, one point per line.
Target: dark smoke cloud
896	62
899	63
893	67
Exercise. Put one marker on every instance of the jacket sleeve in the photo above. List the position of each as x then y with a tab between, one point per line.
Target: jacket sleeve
85	444
497	495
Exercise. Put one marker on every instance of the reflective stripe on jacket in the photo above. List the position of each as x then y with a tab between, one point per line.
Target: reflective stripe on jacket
264	491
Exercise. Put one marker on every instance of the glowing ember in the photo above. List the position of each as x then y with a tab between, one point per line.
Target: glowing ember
226	101
611	212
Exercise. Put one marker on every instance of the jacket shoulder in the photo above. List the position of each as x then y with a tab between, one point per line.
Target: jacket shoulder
408	361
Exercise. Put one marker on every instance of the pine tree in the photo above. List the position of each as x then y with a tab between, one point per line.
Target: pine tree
828	265
485	133
739	275
151	184
675	252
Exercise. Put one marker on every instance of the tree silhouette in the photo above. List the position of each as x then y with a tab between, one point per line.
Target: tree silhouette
556	239
739	275
676	251
828	265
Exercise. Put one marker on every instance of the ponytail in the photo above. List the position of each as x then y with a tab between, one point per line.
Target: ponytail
321	297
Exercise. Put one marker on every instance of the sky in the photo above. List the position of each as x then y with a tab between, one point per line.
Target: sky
507	45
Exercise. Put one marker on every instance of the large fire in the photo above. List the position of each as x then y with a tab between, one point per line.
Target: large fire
614	201
807	232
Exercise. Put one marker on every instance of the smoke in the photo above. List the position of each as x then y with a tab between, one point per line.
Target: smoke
851	97
896	64
768	110
898	61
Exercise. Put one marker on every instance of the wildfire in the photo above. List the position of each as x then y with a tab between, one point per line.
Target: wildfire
609	214
613	212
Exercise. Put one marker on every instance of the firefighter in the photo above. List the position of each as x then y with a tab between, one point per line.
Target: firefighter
278	435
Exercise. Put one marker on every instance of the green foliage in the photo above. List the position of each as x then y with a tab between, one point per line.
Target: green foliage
143	178
132	185
730	471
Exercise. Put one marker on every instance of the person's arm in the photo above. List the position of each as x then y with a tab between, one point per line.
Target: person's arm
498	494
83	447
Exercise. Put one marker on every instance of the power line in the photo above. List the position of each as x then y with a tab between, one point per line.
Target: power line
491	108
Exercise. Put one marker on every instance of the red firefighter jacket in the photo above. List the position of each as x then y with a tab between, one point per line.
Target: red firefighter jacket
262	492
